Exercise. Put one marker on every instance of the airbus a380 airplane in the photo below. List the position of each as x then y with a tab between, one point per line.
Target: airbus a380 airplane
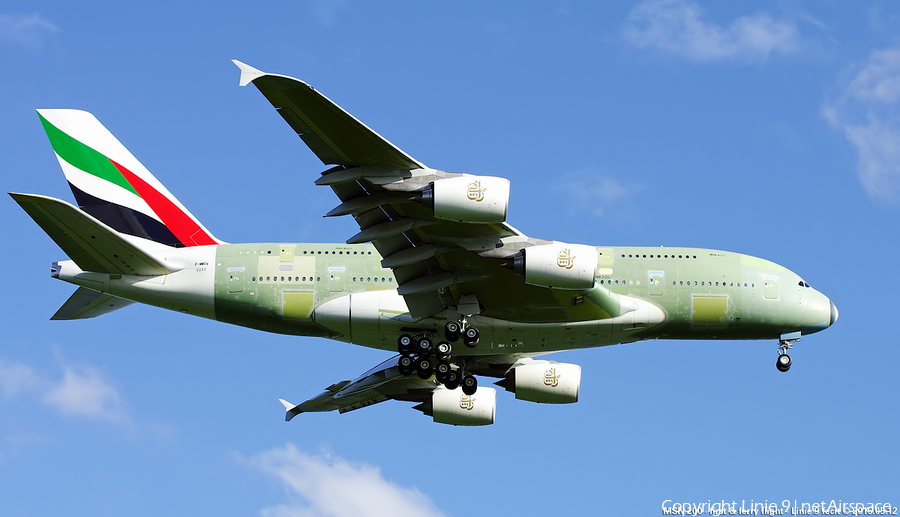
434	273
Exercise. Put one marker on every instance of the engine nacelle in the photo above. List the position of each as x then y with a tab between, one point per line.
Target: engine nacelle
558	265
470	199
546	382
456	408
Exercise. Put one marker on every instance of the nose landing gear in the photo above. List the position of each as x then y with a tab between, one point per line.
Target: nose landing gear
783	363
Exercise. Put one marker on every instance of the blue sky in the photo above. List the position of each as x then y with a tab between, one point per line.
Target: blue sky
767	128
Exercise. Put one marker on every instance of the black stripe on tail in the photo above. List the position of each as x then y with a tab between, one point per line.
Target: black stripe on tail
125	220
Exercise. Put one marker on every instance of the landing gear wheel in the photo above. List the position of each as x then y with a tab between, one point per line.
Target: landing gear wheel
451	381
469	385
452	330
783	363
423	346
424	367
405	344
443	349
442	369
406	365
471	337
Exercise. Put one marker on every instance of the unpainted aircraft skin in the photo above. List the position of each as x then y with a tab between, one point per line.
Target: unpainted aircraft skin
435	272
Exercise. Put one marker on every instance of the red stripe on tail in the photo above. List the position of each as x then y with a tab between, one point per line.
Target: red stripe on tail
181	224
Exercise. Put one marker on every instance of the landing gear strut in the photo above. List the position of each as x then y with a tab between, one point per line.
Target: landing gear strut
783	363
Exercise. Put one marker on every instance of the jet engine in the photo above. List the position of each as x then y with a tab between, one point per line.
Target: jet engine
545	382
469	199
558	265
456	408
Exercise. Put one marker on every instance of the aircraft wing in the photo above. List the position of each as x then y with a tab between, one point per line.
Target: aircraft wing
379	384
439	263
384	382
334	135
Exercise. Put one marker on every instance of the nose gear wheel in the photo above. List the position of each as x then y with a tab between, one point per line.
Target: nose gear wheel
783	363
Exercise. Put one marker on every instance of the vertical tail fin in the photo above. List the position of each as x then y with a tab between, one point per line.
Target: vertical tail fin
110	184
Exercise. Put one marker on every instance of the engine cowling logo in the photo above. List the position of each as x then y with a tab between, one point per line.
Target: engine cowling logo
466	402
476	192
565	259
551	378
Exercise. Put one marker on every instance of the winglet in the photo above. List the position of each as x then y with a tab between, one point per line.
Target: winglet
292	410
248	73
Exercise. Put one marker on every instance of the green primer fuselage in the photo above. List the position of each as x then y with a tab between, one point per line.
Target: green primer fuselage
341	291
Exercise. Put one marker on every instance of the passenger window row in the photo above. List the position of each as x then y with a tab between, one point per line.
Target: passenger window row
659	256
336	252
318	279
682	282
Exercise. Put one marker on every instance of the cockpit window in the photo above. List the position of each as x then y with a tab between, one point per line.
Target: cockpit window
803	284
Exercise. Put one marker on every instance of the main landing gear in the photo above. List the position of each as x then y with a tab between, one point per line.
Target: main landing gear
783	363
456	329
419	354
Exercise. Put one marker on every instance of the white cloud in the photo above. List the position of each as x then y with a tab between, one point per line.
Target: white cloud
25	29
328	486
867	113
599	195
83	391
677	27
879	80
16	378
325	11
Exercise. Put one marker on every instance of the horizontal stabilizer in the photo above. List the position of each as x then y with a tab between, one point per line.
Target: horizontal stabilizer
91	244
88	303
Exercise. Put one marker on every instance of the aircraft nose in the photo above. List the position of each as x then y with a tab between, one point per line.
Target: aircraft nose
821	315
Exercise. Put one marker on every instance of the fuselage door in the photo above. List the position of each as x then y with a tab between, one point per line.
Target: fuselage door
235	279
335	279
770	287
657	282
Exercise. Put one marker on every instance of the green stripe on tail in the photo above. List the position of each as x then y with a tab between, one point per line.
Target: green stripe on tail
83	157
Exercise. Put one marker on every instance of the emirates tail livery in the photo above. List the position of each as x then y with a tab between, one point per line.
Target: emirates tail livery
435	275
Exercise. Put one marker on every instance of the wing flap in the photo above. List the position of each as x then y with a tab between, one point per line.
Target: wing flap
91	244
